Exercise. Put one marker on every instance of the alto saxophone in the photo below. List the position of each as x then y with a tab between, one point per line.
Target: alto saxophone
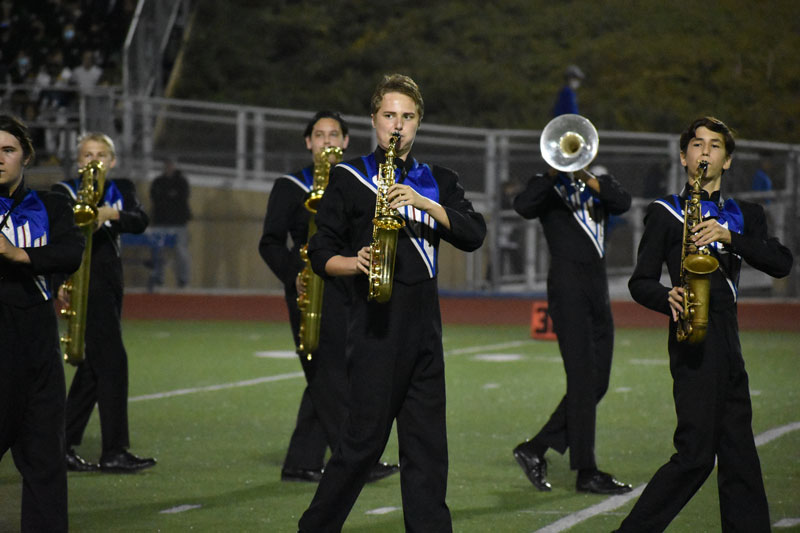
697	264
385	226
90	192
310	301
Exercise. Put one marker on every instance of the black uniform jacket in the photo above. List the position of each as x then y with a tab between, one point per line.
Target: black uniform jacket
662	242
61	254
344	221
106	262
286	217
566	239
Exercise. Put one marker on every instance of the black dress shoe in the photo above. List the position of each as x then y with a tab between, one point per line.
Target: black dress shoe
125	462
76	463
601	483
382	470
301	474
534	466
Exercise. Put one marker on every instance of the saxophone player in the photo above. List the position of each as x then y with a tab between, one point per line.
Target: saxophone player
102	378
38	238
322	407
710	389
394	349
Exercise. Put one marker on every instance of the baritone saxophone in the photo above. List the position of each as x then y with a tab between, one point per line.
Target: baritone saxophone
89	195
697	264
385	226
310	301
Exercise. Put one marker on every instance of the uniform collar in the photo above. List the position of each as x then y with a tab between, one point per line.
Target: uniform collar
715	196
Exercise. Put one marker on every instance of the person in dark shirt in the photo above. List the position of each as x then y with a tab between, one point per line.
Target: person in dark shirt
394	349
169	194
102	377
322	406
574	209
710	384
38	238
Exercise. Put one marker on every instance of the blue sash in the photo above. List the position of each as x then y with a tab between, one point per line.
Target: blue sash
584	206
306	179
28	227
420	226
111	198
728	214
420	178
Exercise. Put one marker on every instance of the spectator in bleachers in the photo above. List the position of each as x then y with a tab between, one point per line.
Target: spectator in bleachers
87	75
70	45
21	73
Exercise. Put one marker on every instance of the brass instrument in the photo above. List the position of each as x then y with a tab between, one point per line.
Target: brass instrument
385	226
310	301
697	264
569	143
89	194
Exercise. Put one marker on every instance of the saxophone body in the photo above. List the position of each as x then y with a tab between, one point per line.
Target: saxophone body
385	226
89	194
697	265
310	301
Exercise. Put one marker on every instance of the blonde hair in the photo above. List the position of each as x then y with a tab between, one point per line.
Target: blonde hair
98	137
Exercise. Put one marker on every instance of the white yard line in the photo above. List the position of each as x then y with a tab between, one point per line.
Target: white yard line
293	375
615	502
607	505
221	386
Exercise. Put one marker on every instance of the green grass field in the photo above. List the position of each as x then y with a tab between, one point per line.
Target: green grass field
220	449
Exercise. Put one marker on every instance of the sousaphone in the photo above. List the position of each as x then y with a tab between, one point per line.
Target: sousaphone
569	143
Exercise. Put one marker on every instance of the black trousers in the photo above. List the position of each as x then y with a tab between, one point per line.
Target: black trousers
102	378
323	404
32	412
712	402
396	373
579	305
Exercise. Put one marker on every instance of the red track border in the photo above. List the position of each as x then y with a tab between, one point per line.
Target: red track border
755	315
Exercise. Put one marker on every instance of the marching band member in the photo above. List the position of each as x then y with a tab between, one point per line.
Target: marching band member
39	238
710	384
322	406
102	377
394	349
574	212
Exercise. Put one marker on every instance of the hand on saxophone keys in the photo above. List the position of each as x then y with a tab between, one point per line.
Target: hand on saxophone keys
675	299
402	195
710	231
363	258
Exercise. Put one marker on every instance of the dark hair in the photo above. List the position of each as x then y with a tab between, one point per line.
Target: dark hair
18	129
325	113
713	124
397	83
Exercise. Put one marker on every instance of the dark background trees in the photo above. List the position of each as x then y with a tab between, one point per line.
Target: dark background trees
650	65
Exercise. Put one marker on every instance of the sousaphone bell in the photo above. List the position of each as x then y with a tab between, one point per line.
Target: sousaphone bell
569	143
